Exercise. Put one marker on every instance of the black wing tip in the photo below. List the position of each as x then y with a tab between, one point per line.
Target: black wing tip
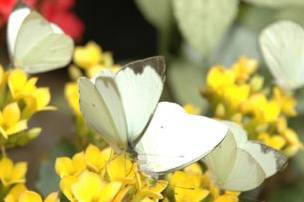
157	62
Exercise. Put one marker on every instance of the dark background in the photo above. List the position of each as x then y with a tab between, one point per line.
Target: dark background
119	27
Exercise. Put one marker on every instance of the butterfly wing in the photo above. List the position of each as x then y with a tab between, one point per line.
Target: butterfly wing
140	85
99	110
246	173
269	159
15	21
282	45
38	48
175	139
230	170
128	100
223	156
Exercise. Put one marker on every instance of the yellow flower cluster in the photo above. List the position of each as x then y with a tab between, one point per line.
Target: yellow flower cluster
88	60
20	99
92	59
192	184
238	94
101	175
12	189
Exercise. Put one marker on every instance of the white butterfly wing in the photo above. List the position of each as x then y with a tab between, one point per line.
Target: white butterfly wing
15	21
232	168
223	156
269	159
245	175
140	85
175	139
247	167
38	48
282	45
98	112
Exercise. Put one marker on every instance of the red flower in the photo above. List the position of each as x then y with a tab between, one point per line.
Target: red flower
6	7
58	12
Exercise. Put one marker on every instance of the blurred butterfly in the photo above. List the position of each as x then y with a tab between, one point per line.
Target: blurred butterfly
34	44
241	165
123	107
282	44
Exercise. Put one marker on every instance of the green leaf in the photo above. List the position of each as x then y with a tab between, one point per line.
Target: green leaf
157	12
295	14
293	193
204	22
48	180
300	100
256	18
186	80
241	41
276	3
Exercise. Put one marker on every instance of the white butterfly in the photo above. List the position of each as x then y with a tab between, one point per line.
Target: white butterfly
124	109
36	45
241	165
282	44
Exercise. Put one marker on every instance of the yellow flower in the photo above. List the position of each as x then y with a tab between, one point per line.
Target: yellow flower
187	185
65	166
88	56
36	99
92	59
192	184
218	78
30	196
104	176
263	109
2	76
228	197
10	120
71	92
10	173
97	68
237	94
276	142
293	141
19	193
15	193
52	197
121	169
151	192
191	109
66	186
287	102
243	68
97	159
90	187
19	85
